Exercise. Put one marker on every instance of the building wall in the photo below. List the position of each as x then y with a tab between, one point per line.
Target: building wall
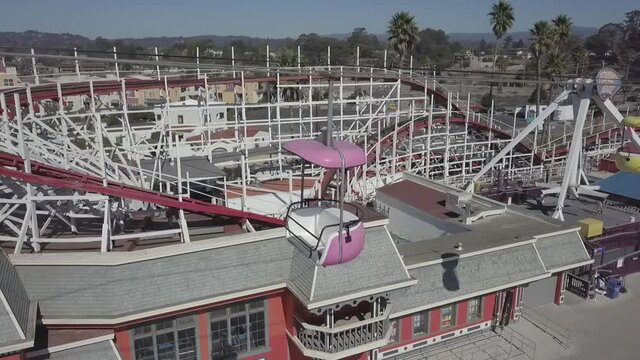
277	347
20	356
406	323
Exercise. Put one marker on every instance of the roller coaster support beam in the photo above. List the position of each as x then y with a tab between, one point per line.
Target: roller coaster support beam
571	179
610	109
526	131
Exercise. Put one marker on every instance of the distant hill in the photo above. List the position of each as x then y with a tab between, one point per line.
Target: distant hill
580	31
37	39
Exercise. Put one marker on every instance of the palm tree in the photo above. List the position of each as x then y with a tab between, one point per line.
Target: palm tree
579	55
403	33
542	35
555	68
562	24
501	20
502	63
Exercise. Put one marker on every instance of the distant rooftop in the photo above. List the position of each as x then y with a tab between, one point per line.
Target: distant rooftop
426	228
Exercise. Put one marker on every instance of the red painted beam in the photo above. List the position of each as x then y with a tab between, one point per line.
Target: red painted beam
51	176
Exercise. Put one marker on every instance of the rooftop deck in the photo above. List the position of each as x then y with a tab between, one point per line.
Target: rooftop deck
441	229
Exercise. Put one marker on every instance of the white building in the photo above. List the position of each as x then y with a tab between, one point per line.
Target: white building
194	113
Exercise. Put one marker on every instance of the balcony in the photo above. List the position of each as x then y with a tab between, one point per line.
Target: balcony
347	338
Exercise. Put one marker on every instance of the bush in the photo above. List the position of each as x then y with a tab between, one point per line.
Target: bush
543	95
486	100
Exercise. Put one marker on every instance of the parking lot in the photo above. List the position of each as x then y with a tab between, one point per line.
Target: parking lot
600	329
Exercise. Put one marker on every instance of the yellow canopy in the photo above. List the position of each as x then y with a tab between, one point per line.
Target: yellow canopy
632	121
628	162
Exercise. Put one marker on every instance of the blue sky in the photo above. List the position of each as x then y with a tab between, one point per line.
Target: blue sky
282	18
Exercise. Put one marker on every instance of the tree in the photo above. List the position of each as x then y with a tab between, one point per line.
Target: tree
580	57
502	63
555	67
433	48
403	33
501	20
361	38
508	42
287	58
562	24
541	40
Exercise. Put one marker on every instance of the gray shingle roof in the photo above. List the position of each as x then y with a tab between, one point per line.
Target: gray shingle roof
19	306
105	291
76	292
98	351
377	266
471	275
8	332
561	250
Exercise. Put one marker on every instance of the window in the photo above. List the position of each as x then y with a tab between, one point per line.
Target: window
447	316
420	324
180	119
166	340
395	331
8	82
474	309
240	328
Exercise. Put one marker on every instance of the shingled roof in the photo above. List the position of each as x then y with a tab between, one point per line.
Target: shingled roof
17	311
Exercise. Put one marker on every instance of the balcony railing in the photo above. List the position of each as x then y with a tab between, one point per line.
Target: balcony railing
344	340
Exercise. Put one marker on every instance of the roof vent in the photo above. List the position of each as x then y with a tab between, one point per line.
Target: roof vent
458	246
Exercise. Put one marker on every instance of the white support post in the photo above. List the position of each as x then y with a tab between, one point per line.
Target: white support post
358	58
341	102
155	49
243	173
233	61
268	61
115	57
34	67
279	122
63	124
105	244
427	157
75	55
329	57
447	139
299	58
515	141
244	115
491	122
198	61
395	130
183	222
26	158
411	66
384	64
572	173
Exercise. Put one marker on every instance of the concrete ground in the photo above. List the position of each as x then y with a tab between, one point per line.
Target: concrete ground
600	329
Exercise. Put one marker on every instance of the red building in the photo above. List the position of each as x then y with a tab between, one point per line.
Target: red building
444	264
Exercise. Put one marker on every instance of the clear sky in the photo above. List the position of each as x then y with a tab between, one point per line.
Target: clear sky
282	18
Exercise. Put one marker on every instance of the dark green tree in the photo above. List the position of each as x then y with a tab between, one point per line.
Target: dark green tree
403	34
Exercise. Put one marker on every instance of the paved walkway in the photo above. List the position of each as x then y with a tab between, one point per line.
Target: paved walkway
601	329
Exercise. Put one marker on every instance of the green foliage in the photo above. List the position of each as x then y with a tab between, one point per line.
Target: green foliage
562	24
403	33
287	58
367	43
556	65
501	18
434	49
486	100
543	95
